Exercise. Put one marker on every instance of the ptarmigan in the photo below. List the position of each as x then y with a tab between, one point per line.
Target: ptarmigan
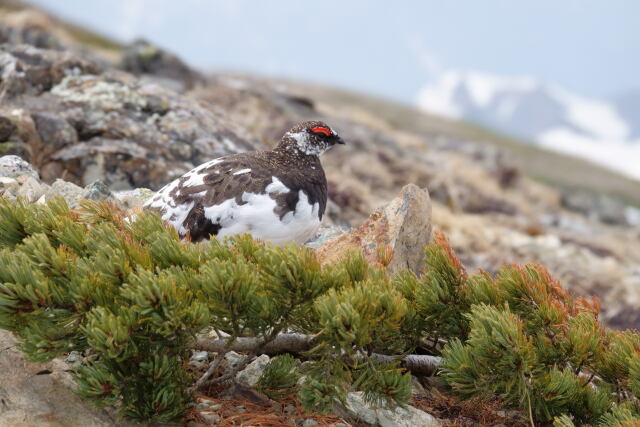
278	195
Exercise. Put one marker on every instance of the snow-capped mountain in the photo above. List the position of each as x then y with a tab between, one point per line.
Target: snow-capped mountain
603	132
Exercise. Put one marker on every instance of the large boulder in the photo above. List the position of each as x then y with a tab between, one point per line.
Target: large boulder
41	394
402	227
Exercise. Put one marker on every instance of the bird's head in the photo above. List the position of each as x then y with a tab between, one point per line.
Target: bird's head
310	138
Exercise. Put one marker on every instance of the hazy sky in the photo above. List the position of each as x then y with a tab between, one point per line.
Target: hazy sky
386	47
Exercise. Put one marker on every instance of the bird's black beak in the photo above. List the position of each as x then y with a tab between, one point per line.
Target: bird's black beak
339	140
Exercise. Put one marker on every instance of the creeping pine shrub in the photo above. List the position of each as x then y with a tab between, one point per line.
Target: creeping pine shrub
132	297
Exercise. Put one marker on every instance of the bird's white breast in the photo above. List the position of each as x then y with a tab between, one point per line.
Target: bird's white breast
257	216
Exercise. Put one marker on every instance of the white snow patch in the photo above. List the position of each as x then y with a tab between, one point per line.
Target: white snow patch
483	87
439	97
595	117
617	155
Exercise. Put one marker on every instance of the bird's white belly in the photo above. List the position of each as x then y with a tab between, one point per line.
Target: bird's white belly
257	216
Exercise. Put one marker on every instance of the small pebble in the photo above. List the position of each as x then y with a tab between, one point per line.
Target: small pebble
309	423
241	409
289	409
210	418
74	358
200	356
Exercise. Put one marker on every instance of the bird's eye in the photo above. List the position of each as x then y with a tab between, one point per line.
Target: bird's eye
321	130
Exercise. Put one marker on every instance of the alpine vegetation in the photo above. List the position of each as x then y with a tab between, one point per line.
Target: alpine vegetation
133	297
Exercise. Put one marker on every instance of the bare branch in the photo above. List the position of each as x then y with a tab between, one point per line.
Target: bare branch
296	343
417	364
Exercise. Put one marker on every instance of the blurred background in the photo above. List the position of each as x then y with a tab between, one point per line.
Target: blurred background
521	118
560	74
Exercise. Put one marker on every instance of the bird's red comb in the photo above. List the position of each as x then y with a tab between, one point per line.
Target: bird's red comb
321	129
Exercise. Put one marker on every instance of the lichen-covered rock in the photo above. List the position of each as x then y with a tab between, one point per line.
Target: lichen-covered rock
233	359
13	166
326	234
76	118
357	408
127	141
70	192
403	226
97	191
27	70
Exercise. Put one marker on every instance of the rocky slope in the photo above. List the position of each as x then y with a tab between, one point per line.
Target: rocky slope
102	123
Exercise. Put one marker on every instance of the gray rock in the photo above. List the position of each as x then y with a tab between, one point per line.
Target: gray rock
289	409
68	190
27	399
210	418
74	358
8	184
13	166
131	199
98	191
136	134
309	423
233	359
384	417
30	188
54	131
325	234
595	206
250	375
208	404
90	121
200	356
